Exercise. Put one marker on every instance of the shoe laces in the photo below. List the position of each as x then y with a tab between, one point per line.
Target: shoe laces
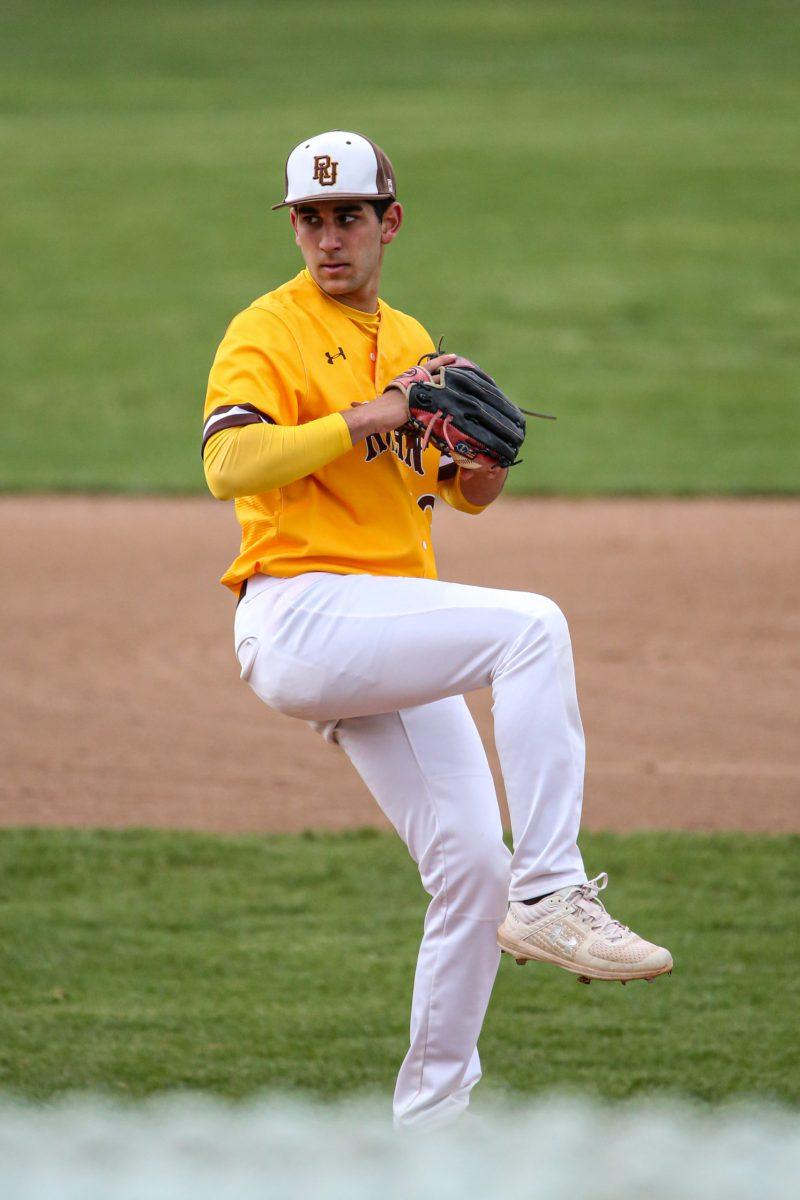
584	903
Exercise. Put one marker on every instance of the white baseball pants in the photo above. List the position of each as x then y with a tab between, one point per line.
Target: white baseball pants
380	664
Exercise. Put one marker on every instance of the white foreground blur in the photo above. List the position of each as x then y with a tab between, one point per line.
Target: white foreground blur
194	1148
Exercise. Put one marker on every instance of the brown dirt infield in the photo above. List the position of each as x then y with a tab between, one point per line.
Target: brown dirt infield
122	703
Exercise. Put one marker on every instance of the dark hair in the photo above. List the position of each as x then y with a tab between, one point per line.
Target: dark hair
381	206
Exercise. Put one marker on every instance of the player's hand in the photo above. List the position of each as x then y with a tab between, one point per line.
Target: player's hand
390	409
387	411
439	360
393	404
483	484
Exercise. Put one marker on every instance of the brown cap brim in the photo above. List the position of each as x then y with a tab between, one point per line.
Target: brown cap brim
338	196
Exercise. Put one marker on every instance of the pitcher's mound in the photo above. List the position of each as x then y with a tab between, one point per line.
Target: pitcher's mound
123	706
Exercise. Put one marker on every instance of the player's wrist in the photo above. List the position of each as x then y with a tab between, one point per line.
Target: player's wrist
358	421
483	485
385	412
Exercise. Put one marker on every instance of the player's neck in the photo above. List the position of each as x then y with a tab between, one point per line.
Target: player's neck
357	300
363	299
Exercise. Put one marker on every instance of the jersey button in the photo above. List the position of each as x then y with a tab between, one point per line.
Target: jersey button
424	545
372	356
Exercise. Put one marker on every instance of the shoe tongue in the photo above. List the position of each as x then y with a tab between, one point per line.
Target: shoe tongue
590	905
595	909
573	891
568	890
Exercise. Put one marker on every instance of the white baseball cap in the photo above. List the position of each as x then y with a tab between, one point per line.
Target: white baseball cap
338	165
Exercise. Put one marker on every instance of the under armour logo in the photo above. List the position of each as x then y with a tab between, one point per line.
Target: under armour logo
331	357
325	170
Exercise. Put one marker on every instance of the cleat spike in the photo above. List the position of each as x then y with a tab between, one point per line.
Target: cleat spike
623	982
520	961
584	979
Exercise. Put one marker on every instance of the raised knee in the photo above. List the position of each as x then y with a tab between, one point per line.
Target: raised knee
548	613
539	621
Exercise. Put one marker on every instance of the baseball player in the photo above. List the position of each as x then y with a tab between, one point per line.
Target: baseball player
342	622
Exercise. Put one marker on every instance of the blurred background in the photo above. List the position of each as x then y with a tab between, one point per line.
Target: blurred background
601	203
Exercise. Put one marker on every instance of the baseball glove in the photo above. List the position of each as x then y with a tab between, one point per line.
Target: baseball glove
461	410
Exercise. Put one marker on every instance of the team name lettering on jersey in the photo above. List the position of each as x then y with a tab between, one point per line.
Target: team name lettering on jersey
405	445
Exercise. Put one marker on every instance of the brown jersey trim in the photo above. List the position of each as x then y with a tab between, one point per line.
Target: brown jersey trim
448	471
246	414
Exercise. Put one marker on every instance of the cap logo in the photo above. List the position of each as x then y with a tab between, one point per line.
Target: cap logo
325	170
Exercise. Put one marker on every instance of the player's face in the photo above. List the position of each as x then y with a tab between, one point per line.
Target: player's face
342	243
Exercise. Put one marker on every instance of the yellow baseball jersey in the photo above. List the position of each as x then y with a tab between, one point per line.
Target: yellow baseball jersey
294	356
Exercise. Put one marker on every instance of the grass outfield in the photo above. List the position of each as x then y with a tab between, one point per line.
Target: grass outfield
601	202
139	961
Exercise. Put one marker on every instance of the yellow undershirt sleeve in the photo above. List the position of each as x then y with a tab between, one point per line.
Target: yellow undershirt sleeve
450	491
251	459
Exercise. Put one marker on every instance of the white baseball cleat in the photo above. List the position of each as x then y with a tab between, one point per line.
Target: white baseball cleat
572	929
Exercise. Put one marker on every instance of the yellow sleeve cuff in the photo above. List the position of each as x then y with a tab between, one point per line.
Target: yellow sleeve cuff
450	491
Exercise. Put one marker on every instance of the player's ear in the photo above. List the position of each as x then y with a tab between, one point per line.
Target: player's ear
293	219
391	222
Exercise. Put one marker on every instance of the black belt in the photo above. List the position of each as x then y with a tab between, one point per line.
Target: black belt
242	591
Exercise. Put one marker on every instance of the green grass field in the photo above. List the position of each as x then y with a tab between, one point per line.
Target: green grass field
140	961
601	206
